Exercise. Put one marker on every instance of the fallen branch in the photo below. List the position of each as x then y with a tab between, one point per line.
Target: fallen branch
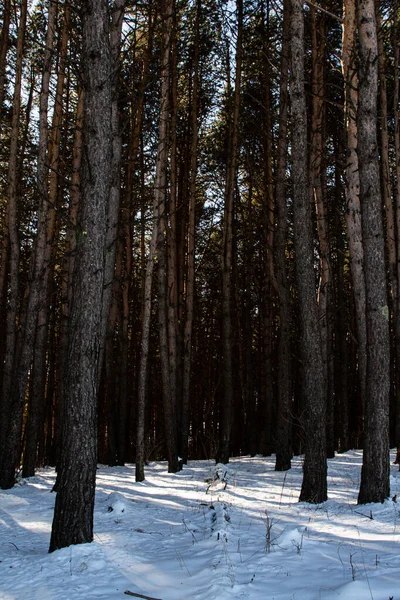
370	516
128	593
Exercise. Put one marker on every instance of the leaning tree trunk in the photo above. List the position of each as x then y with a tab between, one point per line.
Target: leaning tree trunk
73	514
375	470
314	487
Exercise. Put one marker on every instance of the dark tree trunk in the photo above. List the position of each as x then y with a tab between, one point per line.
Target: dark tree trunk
227	408
6	462
189	304
396	96
285	391
314	487
353	209
375	470
73	514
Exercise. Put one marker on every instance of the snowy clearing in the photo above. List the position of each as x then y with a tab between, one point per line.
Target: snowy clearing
194	535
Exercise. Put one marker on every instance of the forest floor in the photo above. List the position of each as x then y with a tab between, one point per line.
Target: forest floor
235	531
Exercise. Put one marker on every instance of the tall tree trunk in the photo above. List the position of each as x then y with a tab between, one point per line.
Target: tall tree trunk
110	272
396	111
318	191
144	351
189	305
171	235
169	388
68	264
226	418
390	233
314	487
341	318
353	209
158	240
283	433
73	513
114	200
147	271
7	478
375	470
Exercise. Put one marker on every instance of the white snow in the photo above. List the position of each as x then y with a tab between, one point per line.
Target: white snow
204	534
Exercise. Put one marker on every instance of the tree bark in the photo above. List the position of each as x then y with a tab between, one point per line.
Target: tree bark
189	301
283	433
226	417
375	470
158	242
353	209
318	191
73	514
7	476
314	486
396	111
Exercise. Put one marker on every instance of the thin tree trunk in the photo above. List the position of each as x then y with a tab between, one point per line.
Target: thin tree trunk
226	418
68	265
374	485
171	236
396	111
158	240
73	514
188	328
169	398
124	368
390	233
389	210
314	487
111	272
144	351
7	478
283	433
318	191
114	200
353	209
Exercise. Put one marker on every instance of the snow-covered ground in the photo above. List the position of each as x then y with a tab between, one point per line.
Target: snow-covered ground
193	535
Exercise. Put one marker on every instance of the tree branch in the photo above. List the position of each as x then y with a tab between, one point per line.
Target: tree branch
318	7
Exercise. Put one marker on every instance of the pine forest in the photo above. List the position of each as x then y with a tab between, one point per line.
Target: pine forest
199	239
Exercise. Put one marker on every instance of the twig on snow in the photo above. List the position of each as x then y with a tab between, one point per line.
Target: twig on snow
128	593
